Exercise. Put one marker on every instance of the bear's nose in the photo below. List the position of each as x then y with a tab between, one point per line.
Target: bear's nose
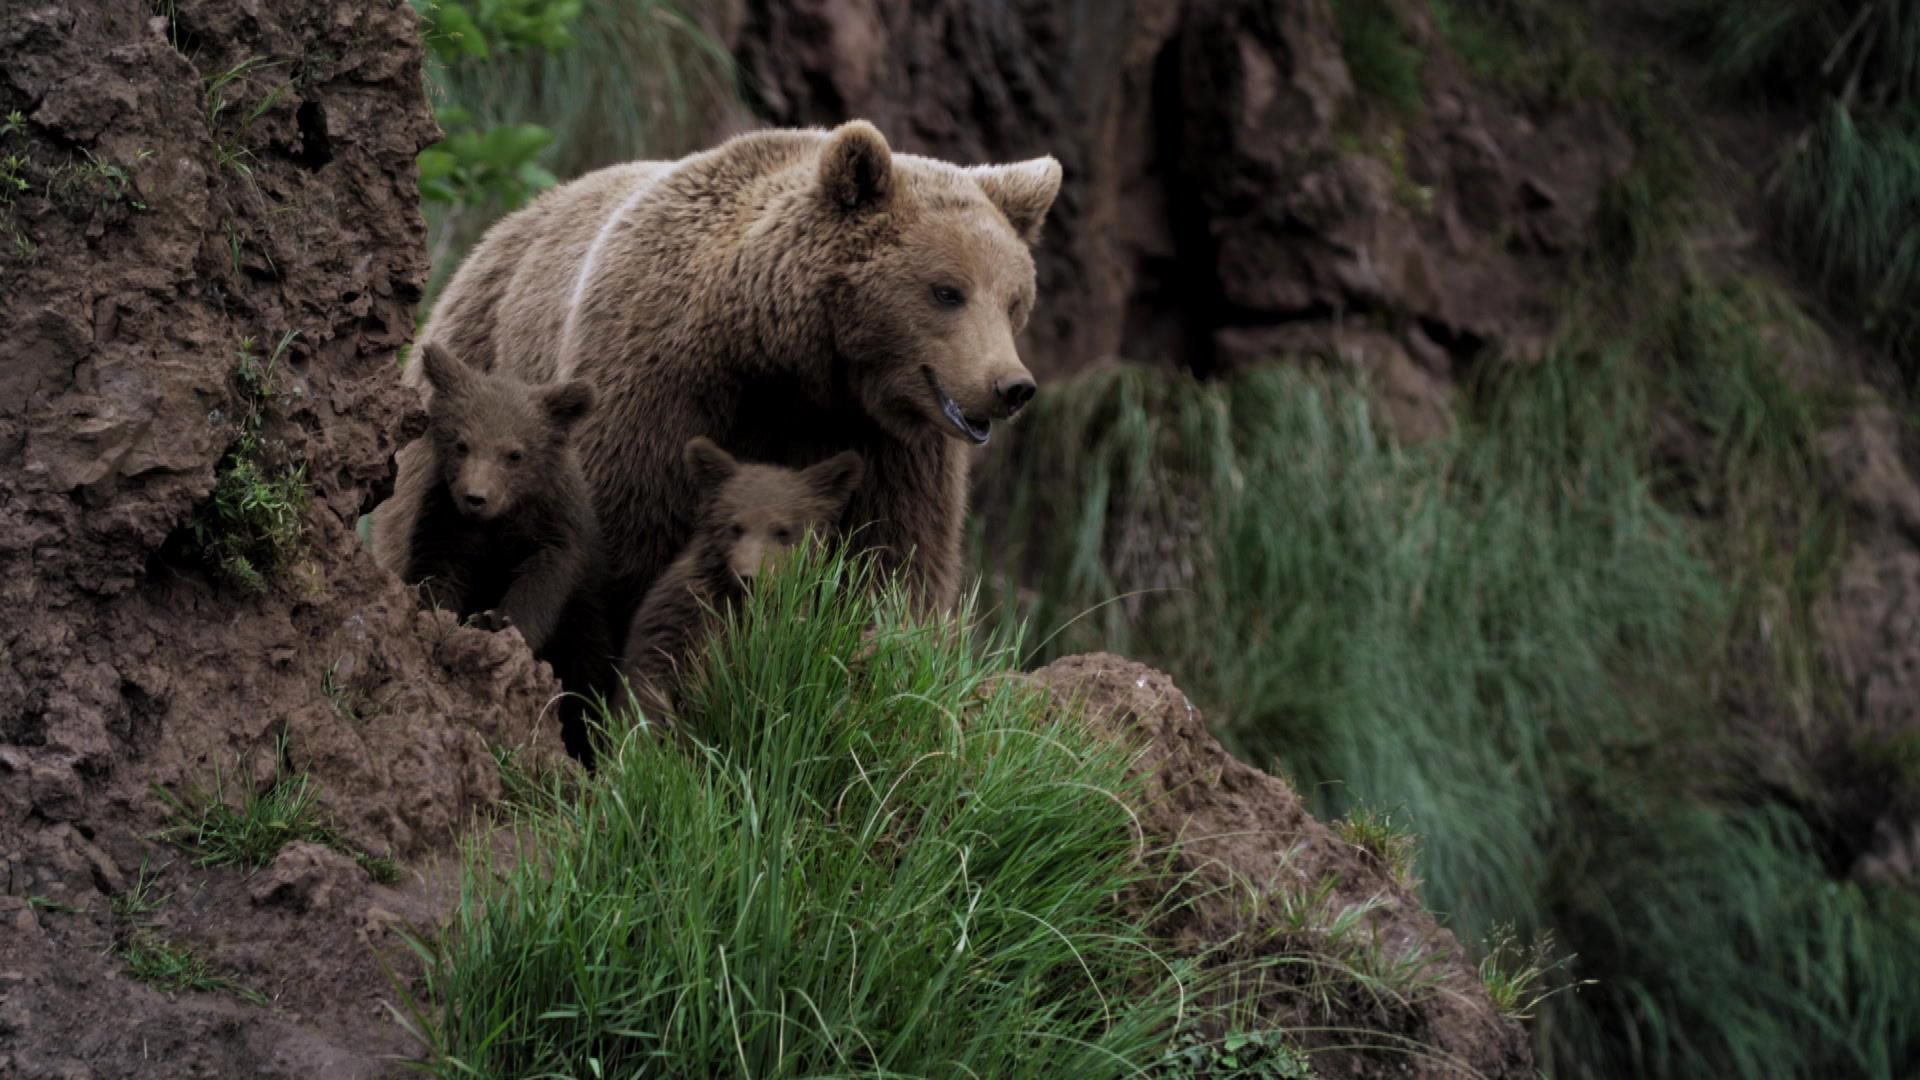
475	501
1015	393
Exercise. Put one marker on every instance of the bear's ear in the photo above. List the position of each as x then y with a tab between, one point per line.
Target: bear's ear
445	373
856	168
711	465
1024	192
837	477
566	403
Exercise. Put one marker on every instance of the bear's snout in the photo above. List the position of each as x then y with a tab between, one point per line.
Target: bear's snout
1014	393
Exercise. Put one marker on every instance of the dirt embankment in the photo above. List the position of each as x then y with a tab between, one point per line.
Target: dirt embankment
1254	878
181	188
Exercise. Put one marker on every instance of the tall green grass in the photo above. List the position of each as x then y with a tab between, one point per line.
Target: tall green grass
641	79
1849	183
1506	634
893	865
1850	198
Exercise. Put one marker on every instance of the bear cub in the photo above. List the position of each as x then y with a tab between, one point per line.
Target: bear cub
496	524
750	514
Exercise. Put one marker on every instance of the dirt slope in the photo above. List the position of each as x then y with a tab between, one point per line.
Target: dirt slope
226	172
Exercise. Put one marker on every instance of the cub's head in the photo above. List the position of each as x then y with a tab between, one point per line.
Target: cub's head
757	513
497	439
926	311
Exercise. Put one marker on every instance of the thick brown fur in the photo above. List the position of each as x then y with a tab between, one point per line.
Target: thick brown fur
491	516
792	294
751	515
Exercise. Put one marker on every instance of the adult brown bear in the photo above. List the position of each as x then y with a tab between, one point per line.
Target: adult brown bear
789	294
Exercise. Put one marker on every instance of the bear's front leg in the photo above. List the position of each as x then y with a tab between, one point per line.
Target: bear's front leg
909	512
540	590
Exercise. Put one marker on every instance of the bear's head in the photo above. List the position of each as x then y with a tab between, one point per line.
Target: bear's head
925	312
757	513
495	438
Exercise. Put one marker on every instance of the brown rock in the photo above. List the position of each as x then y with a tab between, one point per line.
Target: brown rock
307	877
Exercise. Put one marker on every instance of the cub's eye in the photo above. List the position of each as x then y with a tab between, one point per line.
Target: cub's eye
515	457
460	448
948	296
738	531
783	534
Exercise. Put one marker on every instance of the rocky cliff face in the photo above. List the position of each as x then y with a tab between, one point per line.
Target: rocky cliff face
1230	196
178	189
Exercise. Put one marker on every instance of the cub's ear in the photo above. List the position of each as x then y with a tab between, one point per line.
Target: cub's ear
856	168
1024	192
567	403
711	465
837	477
445	373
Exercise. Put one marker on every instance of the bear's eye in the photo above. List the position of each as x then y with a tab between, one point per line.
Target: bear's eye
738	531
948	296
460	448
783	534
515	457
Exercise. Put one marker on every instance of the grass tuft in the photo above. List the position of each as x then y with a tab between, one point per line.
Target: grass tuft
254	525
250	829
1385	64
895	865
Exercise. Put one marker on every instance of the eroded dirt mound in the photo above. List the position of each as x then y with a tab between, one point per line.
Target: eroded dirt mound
1252	868
224	178
1230	195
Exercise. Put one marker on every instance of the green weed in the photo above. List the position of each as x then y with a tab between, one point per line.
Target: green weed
1379	52
254	525
1850	196
171	967
1238	1055
1391	846
1536	49
249	828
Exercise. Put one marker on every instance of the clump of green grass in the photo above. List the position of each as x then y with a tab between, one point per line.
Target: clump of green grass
153	959
1519	977
254	525
1380	53
250	828
1860	50
885	866
1850	196
172	967
1375	832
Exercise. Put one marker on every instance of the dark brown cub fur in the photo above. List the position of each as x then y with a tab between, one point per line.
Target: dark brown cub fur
751	515
495	523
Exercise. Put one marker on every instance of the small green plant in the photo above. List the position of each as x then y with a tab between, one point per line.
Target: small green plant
250	829
1376	833
172	967
1380	55
218	107
1520	977
254	525
1238	1055
143	897
477	29
48	903
349	703
499	166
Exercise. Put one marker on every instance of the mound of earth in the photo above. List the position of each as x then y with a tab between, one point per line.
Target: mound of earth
1253	877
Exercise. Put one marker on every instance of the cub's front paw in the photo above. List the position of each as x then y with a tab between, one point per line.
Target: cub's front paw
490	620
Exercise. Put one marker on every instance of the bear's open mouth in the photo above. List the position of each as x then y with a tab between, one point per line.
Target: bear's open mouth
975	430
